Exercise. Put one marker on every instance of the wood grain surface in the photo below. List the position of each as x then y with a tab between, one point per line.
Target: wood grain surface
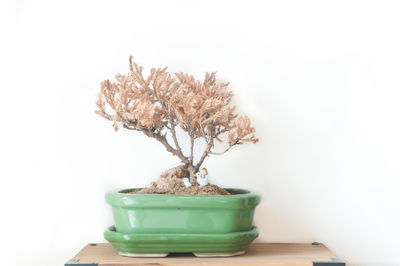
271	254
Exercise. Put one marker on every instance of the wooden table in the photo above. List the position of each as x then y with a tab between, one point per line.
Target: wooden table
268	254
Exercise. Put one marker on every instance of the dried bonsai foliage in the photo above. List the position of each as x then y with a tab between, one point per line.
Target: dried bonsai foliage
159	103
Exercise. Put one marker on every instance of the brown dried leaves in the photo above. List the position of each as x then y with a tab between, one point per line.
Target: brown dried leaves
241	132
159	102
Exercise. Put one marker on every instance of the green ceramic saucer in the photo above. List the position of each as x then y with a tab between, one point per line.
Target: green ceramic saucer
159	245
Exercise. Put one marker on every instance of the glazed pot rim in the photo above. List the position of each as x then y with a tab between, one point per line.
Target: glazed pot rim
240	193
245	199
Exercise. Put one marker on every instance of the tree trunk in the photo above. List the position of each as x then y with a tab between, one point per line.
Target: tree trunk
192	171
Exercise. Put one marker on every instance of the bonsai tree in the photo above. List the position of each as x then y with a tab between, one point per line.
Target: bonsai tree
160	103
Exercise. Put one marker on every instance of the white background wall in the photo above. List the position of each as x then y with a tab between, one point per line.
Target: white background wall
319	79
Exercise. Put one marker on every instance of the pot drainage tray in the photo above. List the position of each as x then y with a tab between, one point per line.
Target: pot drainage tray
159	245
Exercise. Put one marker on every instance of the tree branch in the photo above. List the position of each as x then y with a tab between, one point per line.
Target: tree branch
178	148
227	149
161	139
169	148
205	153
131	128
191	148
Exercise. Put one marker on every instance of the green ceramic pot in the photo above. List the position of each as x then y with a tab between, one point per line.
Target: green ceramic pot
183	214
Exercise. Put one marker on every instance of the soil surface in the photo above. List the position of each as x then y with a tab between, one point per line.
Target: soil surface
171	182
